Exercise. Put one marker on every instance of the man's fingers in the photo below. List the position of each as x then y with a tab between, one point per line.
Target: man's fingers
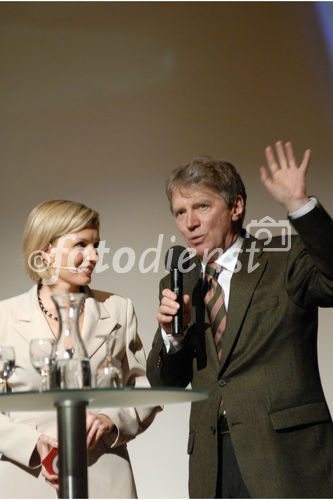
270	158
186	300
169	294
279	148
169	305
290	155
265	178
164	321
306	160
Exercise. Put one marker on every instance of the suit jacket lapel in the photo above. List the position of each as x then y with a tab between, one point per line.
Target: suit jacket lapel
31	322
97	324
243	284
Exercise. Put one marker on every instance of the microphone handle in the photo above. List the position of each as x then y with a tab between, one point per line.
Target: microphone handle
177	287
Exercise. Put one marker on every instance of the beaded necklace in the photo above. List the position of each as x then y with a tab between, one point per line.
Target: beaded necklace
45	311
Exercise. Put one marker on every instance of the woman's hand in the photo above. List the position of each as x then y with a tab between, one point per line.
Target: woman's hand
44	445
97	425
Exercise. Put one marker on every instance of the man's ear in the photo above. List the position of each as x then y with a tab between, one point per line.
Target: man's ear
237	208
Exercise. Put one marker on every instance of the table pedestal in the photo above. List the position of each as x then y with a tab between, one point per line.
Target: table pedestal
71	417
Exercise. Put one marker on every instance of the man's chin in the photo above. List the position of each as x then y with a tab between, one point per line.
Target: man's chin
200	252
207	254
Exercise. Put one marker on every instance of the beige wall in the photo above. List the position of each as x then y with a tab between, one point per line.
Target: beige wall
100	100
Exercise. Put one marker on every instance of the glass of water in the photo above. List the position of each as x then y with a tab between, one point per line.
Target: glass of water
110	373
7	365
40	357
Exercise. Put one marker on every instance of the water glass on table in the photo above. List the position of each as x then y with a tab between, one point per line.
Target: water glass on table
7	365
40	356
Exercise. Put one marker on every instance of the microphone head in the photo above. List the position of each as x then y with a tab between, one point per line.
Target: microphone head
177	257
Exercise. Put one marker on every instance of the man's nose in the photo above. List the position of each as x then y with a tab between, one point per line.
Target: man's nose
192	221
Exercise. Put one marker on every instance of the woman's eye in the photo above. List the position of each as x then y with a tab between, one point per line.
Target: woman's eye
80	244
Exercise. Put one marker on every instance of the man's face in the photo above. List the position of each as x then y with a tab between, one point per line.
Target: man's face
204	219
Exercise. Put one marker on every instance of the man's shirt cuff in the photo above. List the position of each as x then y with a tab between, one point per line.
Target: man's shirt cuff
171	344
310	205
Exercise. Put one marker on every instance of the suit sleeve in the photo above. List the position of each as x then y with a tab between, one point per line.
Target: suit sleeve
18	442
170	370
17	438
129	422
310	268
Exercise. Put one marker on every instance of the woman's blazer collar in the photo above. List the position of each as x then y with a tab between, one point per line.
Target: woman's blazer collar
98	321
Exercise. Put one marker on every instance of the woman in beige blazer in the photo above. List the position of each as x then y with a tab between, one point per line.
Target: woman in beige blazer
60	251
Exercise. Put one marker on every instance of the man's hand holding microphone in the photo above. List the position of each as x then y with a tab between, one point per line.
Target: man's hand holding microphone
174	312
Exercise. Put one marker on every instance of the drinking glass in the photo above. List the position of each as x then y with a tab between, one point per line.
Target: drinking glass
109	373
40	357
7	365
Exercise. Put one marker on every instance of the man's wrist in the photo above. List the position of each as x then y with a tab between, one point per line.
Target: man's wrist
304	209
173	344
295	205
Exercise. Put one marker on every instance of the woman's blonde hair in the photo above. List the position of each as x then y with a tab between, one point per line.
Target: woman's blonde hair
47	222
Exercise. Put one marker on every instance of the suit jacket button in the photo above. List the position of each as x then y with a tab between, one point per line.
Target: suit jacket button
222	382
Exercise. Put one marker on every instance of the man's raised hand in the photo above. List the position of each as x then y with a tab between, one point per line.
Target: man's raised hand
286	181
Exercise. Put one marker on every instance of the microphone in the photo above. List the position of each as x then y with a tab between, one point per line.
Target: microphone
73	269
174	260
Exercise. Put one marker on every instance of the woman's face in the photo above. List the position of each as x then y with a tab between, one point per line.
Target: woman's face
74	257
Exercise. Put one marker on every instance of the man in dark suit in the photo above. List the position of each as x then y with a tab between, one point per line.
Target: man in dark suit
265	430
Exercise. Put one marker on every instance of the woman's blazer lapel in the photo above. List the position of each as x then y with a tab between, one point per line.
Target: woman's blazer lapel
99	321
31	323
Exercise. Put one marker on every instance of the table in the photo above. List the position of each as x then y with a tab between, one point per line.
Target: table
71	418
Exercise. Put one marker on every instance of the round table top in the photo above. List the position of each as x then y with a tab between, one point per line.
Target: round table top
98	398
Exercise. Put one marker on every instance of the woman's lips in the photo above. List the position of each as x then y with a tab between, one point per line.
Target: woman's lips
85	270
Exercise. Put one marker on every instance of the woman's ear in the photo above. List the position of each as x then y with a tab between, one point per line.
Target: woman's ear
237	208
47	254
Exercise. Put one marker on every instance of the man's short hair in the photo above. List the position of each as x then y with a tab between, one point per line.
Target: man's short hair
219	175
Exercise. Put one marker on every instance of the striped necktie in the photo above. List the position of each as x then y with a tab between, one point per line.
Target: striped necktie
214	301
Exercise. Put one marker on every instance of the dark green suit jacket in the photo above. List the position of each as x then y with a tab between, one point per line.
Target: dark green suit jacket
279	422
